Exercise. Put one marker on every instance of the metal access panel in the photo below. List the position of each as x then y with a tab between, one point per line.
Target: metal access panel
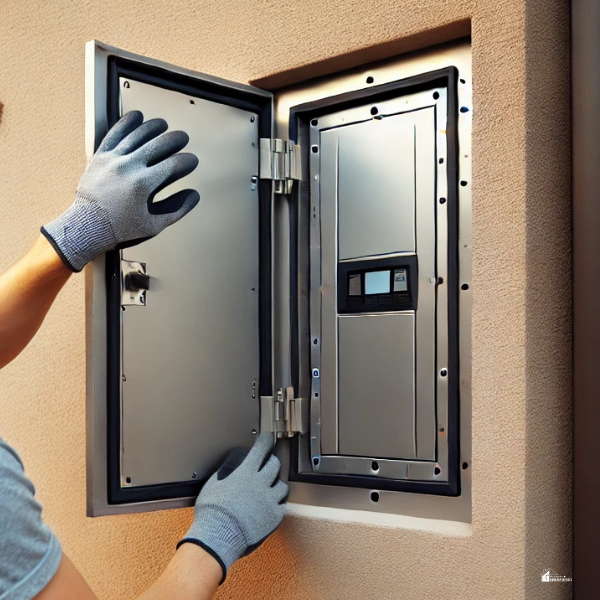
177	368
319	291
381	326
383	286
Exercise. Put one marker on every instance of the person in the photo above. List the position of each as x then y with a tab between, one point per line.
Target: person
244	501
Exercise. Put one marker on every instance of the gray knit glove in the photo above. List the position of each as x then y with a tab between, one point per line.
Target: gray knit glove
113	206
241	505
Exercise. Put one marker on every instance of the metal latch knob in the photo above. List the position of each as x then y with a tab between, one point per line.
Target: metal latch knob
135	283
136	280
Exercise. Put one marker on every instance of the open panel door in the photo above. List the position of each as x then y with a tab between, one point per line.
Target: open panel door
176	371
339	312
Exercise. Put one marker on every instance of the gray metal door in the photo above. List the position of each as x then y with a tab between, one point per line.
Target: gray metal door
190	357
176	371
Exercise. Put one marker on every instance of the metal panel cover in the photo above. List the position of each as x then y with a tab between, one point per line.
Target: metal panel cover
191	355
376	187
377	385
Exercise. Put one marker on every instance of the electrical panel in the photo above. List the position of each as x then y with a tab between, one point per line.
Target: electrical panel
319	291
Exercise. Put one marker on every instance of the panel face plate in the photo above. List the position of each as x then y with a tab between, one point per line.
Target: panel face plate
190	356
376	187
379	173
377	386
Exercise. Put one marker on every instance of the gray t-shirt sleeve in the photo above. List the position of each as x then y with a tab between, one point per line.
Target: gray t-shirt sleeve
29	552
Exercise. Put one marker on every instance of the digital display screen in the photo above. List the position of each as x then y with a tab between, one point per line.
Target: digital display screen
377	282
377	285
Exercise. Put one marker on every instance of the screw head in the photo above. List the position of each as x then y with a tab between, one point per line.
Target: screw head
194	475
126	84
252	119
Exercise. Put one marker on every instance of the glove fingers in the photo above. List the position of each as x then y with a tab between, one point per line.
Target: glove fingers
142	135
174	203
171	170
175	207
234	459
263	445
128	123
271	470
162	147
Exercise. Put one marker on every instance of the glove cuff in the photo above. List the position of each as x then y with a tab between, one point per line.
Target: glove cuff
215	530
81	233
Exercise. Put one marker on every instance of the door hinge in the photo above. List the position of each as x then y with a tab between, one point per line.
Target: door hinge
135	282
281	414
281	162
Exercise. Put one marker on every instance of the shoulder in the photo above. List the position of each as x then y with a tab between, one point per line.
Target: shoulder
29	552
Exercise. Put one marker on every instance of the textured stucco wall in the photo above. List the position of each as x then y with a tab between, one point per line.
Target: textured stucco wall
521	284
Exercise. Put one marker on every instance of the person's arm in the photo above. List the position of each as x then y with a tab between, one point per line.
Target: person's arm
113	208
239	507
244	502
27	291
192	574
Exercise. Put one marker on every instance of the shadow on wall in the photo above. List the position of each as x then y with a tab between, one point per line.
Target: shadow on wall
1	111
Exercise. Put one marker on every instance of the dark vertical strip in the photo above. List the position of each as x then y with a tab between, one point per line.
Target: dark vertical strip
453	284
585	110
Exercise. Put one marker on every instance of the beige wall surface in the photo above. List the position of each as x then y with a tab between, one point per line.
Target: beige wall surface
521	284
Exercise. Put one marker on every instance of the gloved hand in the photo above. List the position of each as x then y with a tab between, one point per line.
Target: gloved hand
113	205
241	505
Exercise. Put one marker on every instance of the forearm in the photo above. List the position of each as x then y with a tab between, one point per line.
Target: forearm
192	574
27	291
